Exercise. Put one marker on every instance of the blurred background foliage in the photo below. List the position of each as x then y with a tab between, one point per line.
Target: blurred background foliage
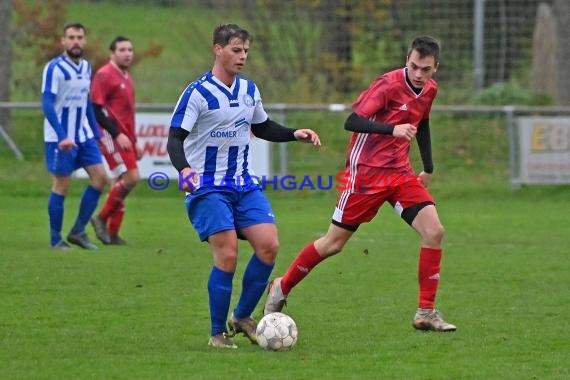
302	51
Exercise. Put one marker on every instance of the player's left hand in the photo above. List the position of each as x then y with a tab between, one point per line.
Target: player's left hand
307	136
424	178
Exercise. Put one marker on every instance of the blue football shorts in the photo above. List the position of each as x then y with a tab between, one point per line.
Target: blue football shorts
212	210
64	163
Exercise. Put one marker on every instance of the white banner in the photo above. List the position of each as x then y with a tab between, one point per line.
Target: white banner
152	135
544	150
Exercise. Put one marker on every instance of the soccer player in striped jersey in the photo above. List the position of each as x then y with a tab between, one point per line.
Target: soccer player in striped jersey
387	116
70	134
209	145
113	97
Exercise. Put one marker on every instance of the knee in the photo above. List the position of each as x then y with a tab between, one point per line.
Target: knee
131	180
328	247
335	247
61	189
268	252
99	182
227	260
434	234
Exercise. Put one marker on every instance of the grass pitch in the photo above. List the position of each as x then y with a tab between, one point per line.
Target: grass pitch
141	311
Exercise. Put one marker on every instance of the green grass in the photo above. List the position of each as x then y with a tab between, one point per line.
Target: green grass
141	312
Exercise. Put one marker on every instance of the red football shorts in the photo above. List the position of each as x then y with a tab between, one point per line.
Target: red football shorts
119	160
357	208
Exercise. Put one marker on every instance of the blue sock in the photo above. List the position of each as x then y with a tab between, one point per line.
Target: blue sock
87	207
254	282
55	212
220	293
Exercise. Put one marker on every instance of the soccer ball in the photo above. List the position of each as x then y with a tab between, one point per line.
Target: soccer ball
276	332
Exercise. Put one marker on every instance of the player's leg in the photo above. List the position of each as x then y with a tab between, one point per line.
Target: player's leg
124	185
60	165
265	244
428	225
256	223
88	157
60	187
224	251
114	201
211	214
309	257
116	166
351	210
124	169
417	208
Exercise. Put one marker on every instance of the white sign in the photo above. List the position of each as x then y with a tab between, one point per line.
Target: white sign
544	147
152	136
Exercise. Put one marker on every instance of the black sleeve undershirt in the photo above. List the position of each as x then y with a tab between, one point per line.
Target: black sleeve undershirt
175	148
104	121
271	131
424	143
355	123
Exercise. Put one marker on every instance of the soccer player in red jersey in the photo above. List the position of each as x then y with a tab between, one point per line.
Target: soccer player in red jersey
387	116
113	97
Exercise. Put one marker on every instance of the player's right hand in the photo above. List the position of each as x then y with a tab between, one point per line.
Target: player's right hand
187	180
124	142
66	145
404	131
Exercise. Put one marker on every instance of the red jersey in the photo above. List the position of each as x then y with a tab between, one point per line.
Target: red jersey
390	100
113	90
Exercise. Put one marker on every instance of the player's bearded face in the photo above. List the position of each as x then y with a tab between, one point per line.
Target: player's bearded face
74	42
75	52
420	69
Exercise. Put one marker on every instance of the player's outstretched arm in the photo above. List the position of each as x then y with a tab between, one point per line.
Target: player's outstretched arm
272	131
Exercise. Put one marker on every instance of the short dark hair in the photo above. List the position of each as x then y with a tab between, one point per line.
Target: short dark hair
116	40
426	46
74	25
223	34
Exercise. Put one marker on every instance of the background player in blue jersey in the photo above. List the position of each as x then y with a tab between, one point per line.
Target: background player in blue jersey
209	145
70	143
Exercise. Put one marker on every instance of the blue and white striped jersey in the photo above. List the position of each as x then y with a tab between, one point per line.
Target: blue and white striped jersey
70	83
219	121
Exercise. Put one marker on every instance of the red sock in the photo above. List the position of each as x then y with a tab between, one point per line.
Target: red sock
114	200
115	219
428	276
305	261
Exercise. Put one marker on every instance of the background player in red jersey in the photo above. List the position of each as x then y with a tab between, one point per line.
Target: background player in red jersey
387	115
113	97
